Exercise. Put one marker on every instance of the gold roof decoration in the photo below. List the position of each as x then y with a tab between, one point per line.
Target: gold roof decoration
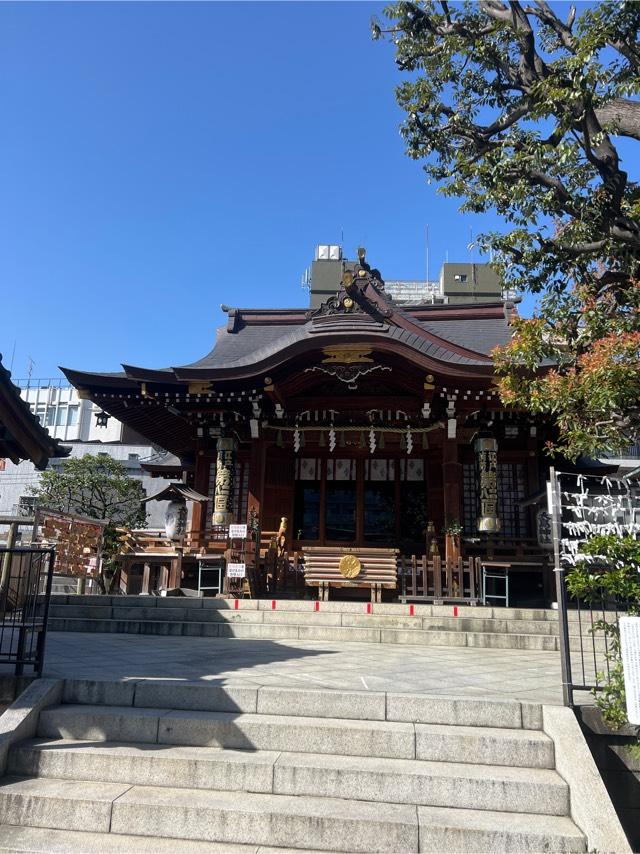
342	354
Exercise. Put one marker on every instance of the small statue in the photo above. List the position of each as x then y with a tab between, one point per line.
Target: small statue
281	539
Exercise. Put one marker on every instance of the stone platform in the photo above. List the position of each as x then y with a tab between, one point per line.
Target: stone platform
464	671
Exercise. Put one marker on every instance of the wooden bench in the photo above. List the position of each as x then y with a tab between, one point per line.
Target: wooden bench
377	570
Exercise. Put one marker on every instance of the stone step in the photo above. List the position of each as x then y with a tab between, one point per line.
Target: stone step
472	831
305	702
46	840
361	607
484	745
304	618
471	621
230	730
63	804
405	781
508	789
325	824
252	819
285	631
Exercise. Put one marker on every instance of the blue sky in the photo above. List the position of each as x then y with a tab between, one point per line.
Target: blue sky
158	159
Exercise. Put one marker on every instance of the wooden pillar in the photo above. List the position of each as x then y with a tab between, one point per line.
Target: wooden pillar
199	512
5	580
175	572
255	491
359	520
146	576
124	575
452	479
163	581
533	481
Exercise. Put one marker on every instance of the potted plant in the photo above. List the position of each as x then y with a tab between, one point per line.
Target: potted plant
452	531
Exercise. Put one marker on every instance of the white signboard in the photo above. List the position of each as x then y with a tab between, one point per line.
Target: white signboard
237	532
630	644
236	570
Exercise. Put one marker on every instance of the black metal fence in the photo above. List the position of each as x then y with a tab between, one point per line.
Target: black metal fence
589	640
25	590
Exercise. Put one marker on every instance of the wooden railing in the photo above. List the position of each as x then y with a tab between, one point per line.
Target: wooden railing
143	541
439	580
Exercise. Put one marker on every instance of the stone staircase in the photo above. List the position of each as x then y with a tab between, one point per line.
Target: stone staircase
165	766
360	622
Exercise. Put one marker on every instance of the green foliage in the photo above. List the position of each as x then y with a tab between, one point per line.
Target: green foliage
453	527
609	571
98	487
515	110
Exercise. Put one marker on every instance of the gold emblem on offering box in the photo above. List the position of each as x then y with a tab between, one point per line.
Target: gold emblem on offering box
349	566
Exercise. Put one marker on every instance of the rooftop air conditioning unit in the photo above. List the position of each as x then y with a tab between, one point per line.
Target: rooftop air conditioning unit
328	252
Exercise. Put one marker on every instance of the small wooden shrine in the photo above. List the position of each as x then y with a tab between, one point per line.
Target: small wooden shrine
365	424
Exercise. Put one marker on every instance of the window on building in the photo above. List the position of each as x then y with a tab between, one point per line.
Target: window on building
469	499
40	411
306	517
379	512
51	416
511	493
460	277
61	416
26	505
340	511
413	513
72	418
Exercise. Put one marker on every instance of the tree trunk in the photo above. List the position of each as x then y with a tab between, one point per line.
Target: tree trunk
623	114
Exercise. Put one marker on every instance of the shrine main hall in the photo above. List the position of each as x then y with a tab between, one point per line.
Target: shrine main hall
370	422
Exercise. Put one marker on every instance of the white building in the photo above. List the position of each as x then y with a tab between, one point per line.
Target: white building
81	425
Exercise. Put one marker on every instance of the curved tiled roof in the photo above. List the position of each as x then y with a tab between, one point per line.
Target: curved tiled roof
461	336
23	436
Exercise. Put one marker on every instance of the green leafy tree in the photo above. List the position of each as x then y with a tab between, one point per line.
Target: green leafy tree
520	111
98	487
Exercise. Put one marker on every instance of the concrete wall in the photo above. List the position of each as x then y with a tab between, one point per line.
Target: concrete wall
619	767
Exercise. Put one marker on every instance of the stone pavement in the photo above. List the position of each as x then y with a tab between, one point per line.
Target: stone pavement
454	671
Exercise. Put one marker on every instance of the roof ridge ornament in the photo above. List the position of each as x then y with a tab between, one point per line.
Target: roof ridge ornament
356	292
